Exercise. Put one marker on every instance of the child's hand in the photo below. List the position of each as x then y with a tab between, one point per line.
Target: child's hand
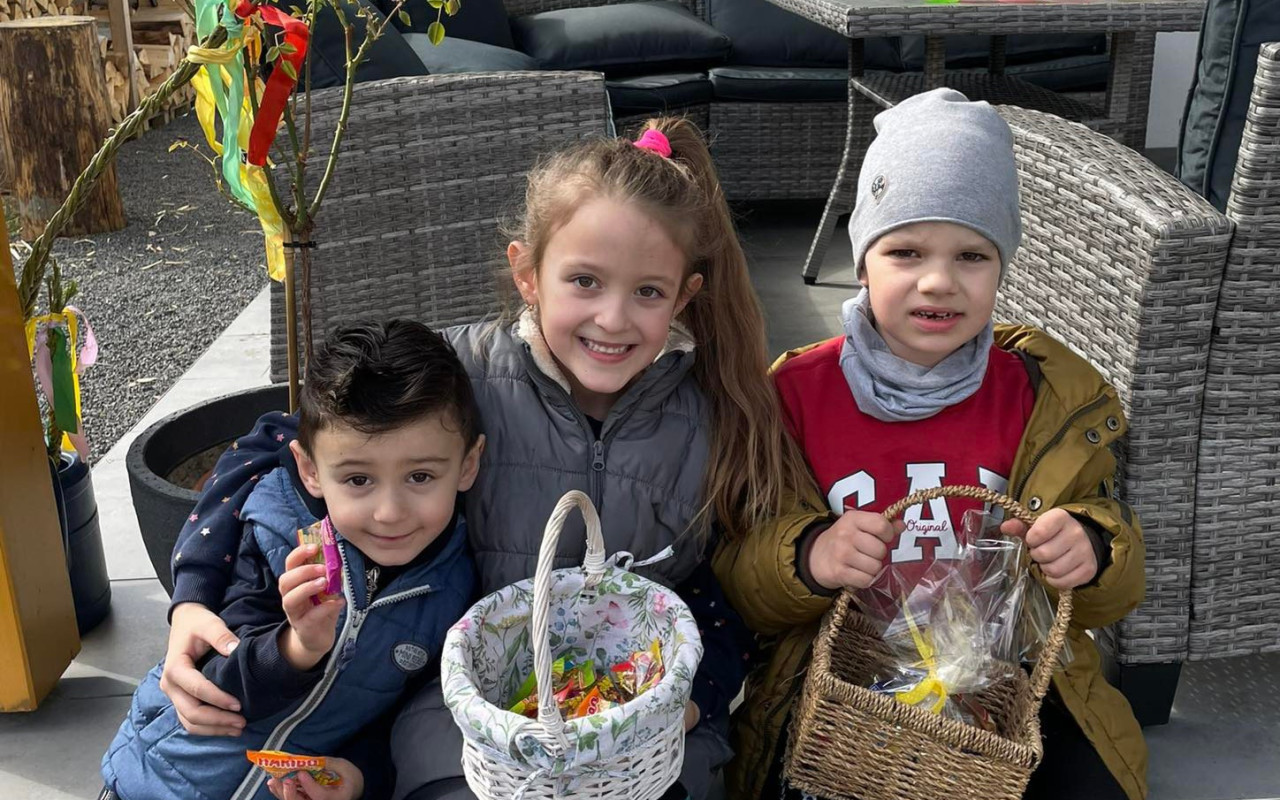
691	716
851	552
304	787
312	628
1060	545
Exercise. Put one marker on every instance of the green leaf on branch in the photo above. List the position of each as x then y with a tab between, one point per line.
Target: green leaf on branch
452	7
405	19
287	49
436	3
289	70
273	53
435	32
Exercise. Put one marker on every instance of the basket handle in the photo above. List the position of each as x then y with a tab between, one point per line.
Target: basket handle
1043	672
548	711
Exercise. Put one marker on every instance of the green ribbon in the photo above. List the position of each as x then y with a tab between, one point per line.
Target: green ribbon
64	385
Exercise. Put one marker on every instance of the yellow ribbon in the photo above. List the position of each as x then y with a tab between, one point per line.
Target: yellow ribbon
252	178
214	55
931	685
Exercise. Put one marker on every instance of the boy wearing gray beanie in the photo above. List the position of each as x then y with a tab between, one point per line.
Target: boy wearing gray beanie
921	391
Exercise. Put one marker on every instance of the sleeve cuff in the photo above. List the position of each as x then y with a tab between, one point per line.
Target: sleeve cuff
201	585
804	544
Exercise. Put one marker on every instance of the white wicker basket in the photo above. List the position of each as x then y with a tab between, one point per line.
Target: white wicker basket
631	752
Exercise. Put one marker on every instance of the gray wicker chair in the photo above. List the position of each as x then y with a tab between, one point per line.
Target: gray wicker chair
1235	575
430	166
1123	263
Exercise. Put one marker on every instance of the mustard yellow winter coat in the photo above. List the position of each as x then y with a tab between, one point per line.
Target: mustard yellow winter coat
1063	461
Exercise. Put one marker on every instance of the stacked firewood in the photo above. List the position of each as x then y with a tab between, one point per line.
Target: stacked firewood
27	9
161	36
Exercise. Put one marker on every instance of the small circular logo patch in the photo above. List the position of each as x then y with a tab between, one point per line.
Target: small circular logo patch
878	187
409	657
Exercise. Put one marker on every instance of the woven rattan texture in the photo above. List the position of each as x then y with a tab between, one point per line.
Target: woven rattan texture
429	167
849	743
899	17
1235	582
1123	263
755	162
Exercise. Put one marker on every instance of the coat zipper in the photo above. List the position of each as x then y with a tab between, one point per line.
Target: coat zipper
350	633
1057	437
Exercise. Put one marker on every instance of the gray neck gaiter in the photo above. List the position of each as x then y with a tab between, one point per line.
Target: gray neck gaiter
892	389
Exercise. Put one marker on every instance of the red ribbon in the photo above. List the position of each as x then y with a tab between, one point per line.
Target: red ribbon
280	85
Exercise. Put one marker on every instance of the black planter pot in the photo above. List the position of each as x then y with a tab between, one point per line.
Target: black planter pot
82	541
162	507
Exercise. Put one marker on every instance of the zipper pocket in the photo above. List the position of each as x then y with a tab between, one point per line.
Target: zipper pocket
1057	437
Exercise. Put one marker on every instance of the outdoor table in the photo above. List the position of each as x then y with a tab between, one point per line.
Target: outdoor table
1132	25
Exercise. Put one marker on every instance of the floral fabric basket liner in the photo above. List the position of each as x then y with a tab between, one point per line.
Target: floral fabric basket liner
634	750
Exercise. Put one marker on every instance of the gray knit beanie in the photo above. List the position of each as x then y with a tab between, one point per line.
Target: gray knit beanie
939	158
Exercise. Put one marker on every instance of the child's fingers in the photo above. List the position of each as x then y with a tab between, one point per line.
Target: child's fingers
871	546
293	578
864	566
1054	549
1014	527
297	601
300	555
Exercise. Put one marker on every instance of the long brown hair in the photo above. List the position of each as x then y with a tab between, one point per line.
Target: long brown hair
753	463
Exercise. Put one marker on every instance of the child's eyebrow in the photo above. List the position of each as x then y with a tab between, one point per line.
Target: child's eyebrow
428	460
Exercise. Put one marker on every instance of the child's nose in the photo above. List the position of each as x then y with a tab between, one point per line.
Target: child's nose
612	314
938	278
389	509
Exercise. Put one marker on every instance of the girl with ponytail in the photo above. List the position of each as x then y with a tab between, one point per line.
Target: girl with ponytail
632	367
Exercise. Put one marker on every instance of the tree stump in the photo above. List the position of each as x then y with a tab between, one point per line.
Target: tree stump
54	115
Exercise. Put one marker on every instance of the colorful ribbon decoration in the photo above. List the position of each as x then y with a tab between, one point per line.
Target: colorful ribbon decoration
931	685
51	344
220	93
281	84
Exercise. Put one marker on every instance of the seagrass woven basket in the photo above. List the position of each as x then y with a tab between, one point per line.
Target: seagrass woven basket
850	743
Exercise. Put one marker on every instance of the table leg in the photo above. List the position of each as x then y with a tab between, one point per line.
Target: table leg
935	62
840	201
996	57
1129	85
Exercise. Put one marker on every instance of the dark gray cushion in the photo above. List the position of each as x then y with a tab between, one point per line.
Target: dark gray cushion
389	57
1232	33
621	39
476	21
780	84
461	55
658	93
972	51
765	35
1071	74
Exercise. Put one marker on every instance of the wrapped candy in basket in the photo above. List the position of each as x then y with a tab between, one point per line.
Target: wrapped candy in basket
916	690
574	683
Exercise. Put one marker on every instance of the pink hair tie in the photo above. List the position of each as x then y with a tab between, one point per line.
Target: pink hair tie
656	141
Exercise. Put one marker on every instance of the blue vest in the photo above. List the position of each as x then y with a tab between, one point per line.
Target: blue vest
379	647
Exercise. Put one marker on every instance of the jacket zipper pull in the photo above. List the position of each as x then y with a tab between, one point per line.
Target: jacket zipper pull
597	459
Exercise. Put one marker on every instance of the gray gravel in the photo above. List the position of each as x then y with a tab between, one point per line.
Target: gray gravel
161	290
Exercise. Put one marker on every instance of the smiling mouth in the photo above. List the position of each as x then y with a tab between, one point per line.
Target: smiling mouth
605	349
936	314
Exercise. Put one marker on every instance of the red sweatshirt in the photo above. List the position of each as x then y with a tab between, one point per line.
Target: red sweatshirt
863	463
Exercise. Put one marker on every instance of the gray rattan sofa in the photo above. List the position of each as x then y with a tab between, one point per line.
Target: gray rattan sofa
1179	306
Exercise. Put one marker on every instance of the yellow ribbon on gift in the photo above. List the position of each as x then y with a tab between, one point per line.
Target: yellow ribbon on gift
931	685
252	178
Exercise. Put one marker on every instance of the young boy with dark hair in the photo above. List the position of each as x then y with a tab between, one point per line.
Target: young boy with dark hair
388	436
